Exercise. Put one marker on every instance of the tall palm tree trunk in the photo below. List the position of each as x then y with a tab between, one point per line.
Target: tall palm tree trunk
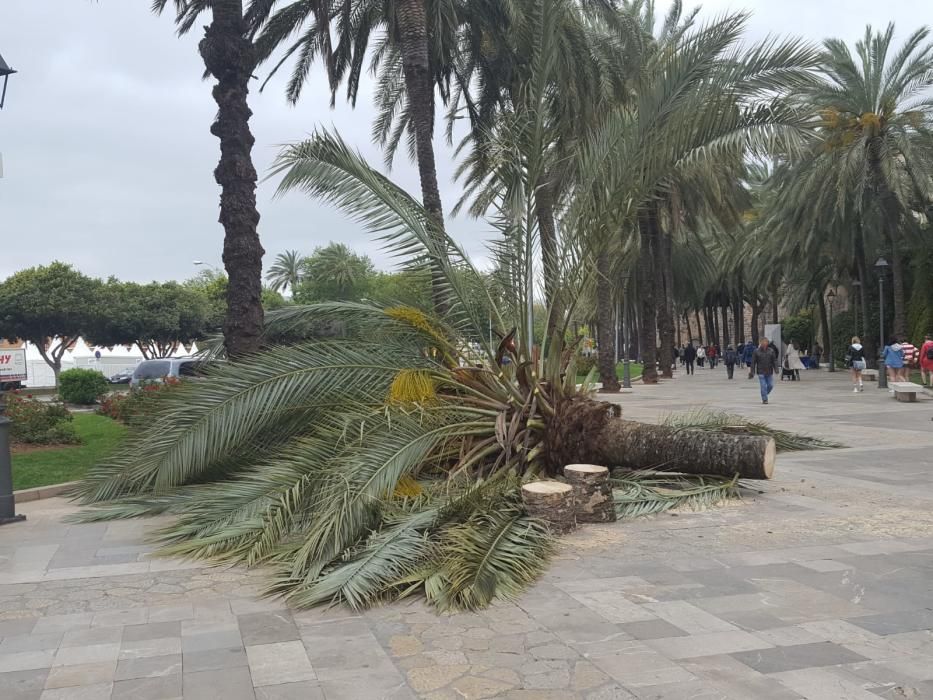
647	284
229	56
738	316
700	336
544	212
665	303
867	334
416	66
724	309
606	357
897	290
824	323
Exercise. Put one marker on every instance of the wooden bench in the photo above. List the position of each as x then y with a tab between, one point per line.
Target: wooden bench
906	391
870	375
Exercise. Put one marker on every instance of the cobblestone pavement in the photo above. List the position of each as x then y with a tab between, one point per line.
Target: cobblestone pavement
820	586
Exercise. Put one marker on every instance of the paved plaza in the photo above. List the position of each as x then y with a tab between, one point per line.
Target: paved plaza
817	585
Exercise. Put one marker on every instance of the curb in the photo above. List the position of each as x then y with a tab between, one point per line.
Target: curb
40	492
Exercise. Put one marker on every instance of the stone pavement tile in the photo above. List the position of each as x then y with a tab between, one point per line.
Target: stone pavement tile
688	690
98	691
306	690
228	684
613	691
741	602
899	691
589	585
214	659
90	654
825	684
376	688
30	642
894	622
159	688
640	665
826	565
119	618
914	667
26	660
93	635
752	620
23	685
737	679
148	667
150	647
216	638
267	627
171	613
652	629
708	644
799	656
612	606
13	628
583	626
879	547
151	630
62	623
82	674
281	662
689	617
789	636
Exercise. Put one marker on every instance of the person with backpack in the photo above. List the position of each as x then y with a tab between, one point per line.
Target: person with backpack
926	361
855	361
893	360
689	355
730	358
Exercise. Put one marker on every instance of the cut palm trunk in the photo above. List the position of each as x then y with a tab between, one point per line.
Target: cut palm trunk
592	493
552	502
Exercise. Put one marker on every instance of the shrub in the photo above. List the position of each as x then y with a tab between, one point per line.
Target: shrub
585	363
82	386
39	422
131	407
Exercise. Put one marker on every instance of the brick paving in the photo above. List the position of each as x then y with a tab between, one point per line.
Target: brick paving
819	587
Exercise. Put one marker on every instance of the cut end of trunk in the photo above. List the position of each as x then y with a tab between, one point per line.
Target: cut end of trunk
547	488
585	469
767	465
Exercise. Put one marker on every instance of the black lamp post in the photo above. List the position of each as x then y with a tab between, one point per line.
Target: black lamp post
7	500
5	73
881	266
831	298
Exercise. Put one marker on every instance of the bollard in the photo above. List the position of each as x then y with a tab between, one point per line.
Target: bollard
7	502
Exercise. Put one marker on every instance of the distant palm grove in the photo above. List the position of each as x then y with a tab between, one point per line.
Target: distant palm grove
371	440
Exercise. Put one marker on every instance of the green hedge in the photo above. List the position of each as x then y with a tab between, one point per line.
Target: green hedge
82	386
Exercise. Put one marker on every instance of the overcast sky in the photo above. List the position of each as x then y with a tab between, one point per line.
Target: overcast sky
108	161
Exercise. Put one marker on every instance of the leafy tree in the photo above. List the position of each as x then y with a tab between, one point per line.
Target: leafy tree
285	272
50	306
334	273
158	317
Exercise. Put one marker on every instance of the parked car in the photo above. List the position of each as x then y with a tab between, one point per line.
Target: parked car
123	377
157	370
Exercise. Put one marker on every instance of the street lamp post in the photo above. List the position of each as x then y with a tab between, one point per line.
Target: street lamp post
5	73
831	297
880	265
7	500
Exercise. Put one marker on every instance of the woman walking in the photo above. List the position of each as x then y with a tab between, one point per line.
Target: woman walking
855	359
701	355
893	360
926	361
792	360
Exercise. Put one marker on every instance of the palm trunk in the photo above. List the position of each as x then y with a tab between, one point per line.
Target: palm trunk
229	56
700	336
868	338
544	212
647	284
756	312
606	360
665	290
824	322
897	290
738	317
774	303
725	325
416	66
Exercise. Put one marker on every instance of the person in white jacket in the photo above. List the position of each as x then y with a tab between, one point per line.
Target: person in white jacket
792	359
701	355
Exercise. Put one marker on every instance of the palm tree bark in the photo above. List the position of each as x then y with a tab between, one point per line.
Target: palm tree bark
824	322
544	212
724	309
897	290
868	339
647	284
416	67
606	357
665	291
738	316
700	336
229	56
756	312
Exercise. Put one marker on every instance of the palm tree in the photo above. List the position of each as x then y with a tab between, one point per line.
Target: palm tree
230	57
407	49
285	272
874	156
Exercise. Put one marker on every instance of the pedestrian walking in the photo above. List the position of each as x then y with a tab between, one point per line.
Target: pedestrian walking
764	364
747	354
815	357
855	361
690	355
893	360
712	355
701	355
926	361
910	359
792	360
730	359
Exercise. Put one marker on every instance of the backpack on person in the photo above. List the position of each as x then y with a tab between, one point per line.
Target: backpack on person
930	353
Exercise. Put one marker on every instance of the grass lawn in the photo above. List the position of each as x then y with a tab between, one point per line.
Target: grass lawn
634	369
54	465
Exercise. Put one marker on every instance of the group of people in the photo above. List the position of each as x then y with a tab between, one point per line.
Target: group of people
900	357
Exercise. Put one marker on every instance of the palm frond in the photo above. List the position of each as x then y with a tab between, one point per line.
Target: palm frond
722	421
637	494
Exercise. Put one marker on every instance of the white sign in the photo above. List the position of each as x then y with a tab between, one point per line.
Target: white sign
12	365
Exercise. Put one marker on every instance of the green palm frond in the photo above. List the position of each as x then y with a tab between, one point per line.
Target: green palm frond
637	494
786	441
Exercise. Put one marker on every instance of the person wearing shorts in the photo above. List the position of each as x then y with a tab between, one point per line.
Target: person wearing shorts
855	358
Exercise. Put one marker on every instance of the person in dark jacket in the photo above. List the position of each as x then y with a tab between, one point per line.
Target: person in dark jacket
764	364
747	354
730	358
690	355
